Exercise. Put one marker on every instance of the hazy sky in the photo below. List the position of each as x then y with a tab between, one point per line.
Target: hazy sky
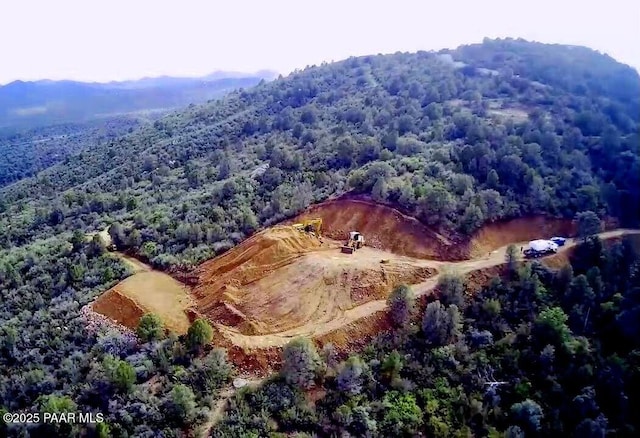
123	39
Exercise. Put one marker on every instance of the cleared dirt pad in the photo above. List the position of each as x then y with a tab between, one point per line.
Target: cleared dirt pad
147	292
281	279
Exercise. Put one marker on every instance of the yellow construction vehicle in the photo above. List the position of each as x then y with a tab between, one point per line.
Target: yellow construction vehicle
356	241
313	226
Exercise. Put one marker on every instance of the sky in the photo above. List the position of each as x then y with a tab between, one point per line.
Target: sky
98	40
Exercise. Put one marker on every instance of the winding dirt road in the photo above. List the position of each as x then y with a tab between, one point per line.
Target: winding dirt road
317	328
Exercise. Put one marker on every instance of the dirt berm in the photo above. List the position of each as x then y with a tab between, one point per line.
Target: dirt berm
282	278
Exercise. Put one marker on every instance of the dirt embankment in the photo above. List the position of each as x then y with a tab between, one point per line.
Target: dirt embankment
383	227
148	292
390	230
283	283
119	308
499	234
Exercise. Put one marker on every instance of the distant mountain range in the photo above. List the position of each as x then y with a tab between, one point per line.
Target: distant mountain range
46	102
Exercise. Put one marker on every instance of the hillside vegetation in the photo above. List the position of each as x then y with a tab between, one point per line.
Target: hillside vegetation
457	139
29	152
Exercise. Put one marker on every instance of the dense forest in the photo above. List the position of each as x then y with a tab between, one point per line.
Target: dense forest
458	138
26	153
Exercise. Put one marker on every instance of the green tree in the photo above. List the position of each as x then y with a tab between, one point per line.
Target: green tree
120	373
213	371
401	416
440	325
199	334
588	224
529	414
301	363
96	247
350	377
150	327
391	366
56	404
451	288
402	304
117	235
103	430
77	241
551	327
511	257
182	403
379	192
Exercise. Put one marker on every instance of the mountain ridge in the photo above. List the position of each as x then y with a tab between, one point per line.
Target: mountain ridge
28	104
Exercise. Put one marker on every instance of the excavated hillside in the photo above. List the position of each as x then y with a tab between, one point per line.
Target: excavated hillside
282	283
499	234
389	229
282	278
384	228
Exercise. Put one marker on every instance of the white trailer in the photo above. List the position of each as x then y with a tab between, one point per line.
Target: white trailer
541	247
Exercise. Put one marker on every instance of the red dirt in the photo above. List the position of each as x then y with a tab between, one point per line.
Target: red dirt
148	291
499	234
282	278
282	283
388	229
119	308
383	227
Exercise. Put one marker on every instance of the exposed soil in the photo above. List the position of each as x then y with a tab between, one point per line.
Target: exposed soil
282	279
119	308
499	234
384	228
147	292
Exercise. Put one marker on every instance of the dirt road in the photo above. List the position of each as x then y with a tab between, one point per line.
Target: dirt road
217	412
133	263
344	317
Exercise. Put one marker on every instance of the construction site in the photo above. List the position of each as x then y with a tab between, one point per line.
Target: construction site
325	274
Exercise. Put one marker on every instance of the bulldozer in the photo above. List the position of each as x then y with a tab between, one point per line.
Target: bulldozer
355	242
312	226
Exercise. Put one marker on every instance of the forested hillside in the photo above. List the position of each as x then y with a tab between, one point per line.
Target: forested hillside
457	139
453	144
26	153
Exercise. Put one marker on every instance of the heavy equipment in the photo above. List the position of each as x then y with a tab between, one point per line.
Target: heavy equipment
313	226
356	241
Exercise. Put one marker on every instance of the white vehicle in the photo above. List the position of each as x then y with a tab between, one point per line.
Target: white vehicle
541	247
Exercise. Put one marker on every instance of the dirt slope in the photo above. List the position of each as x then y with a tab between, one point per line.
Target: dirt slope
147	292
388	229
383	227
321	329
282	283
496	235
282	279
